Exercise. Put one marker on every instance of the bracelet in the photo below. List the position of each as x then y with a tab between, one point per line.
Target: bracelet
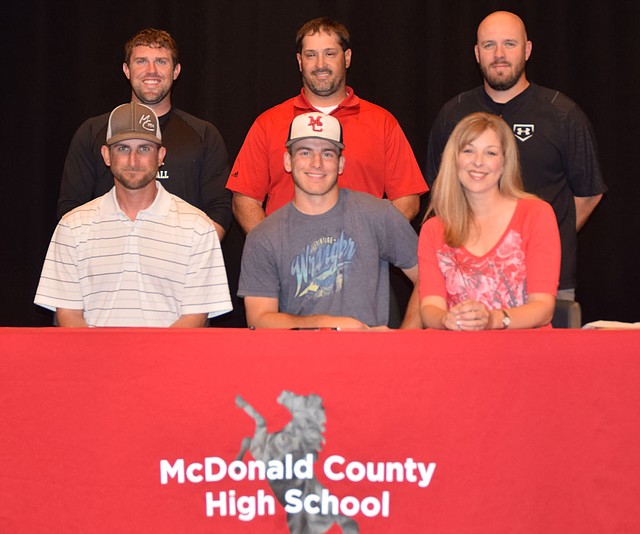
506	320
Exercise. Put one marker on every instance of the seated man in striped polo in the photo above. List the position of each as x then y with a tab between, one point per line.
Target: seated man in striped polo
138	255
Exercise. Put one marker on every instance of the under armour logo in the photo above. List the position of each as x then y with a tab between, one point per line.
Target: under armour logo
316	123
523	131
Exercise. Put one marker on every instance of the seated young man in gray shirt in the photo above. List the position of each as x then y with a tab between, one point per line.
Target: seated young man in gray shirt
322	260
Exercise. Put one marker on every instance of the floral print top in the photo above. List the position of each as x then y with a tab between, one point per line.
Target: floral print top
526	259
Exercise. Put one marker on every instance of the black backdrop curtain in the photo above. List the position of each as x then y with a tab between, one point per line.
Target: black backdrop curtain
62	64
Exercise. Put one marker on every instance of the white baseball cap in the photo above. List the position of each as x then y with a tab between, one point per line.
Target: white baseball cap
315	125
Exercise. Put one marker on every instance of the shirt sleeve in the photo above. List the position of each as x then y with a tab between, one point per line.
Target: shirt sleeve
543	250
437	140
206	288
80	173
216	198
399	241
583	167
59	285
403	174
431	239
250	171
259	275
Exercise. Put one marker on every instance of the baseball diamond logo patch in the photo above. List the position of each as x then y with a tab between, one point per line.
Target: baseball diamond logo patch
523	131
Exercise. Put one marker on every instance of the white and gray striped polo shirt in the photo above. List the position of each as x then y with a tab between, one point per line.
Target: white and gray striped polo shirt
147	272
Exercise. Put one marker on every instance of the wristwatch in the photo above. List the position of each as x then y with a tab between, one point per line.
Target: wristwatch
506	320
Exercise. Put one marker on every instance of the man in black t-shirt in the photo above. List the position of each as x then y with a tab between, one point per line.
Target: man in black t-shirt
558	152
196	166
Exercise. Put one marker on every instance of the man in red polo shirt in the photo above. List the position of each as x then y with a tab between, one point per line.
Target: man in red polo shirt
380	159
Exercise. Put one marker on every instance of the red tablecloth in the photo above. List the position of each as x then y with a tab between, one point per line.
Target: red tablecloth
134	430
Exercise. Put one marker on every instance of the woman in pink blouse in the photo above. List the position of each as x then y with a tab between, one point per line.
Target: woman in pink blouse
489	253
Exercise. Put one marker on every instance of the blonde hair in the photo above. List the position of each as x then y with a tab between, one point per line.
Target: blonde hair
448	198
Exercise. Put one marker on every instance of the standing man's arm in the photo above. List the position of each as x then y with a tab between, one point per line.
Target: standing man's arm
79	179
214	171
407	205
403	179
441	129
247	211
219	230
250	177
584	208
583	167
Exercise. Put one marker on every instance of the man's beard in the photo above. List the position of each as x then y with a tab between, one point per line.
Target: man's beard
503	83
131	184
153	98
322	87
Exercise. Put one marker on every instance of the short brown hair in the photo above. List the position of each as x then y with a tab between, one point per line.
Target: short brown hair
154	39
323	25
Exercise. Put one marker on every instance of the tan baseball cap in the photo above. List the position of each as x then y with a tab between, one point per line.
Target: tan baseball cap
133	121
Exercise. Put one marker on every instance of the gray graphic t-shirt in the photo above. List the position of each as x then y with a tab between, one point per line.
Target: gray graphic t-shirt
336	263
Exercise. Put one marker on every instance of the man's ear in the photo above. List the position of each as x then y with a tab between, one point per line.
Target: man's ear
287	161
347	57
106	156
162	152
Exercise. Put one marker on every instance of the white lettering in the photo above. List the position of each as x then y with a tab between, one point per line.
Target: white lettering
356	471
426	474
294	504
311	504
192	473
275	470
245	507
337	468
237	470
330	505
410	467
371	507
171	471
349	506
328	465
212	504
375	472
304	468
256	470
327	504
394	472
209	464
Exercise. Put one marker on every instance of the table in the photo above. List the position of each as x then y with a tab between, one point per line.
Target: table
139	430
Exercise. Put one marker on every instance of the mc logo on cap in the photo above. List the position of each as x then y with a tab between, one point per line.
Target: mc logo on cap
316	125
